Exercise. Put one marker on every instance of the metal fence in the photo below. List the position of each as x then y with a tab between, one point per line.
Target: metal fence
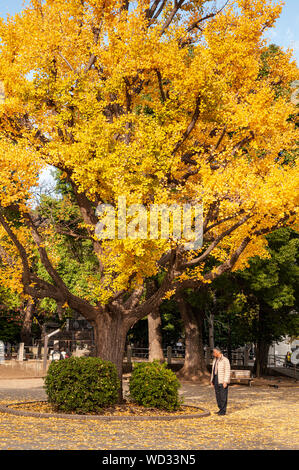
71	347
241	358
143	353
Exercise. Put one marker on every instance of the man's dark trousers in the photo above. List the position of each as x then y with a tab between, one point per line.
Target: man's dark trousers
221	395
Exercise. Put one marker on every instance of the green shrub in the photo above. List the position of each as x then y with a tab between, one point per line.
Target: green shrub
82	384
154	385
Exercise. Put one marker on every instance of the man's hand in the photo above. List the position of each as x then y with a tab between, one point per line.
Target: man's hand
224	384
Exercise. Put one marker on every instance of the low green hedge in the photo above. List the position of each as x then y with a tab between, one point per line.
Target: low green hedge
155	386
82	384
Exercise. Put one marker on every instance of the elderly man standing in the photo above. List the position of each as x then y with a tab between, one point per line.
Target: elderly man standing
220	378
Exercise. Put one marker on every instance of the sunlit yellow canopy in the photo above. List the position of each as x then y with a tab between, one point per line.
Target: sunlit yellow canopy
2	92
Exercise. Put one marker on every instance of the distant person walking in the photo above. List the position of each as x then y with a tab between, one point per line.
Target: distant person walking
288	362
220	379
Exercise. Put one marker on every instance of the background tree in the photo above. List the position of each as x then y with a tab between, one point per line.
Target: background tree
10	316
155	340
273	286
17	321
80	79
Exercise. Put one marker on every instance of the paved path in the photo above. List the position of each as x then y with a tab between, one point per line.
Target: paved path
289	372
259	417
20	384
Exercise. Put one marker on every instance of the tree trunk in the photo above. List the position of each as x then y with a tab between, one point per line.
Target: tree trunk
26	334
229	343
110	331
261	359
194	368
262	347
155	336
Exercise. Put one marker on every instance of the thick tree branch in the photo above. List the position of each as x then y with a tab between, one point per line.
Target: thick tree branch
221	137
221	221
67	62
153	302
71	233
212	214
190	127
151	11
217	240
93	57
134	298
204	18
42	289
88	215
230	263
177	6
242	142
33	286
38	288
21	250
5	258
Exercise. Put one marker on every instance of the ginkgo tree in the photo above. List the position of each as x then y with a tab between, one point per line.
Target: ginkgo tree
158	102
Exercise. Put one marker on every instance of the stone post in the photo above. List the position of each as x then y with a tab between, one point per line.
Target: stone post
2	352
129	355
208	356
169	354
21	352
246	357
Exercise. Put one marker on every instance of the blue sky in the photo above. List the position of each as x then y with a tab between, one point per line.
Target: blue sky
285	33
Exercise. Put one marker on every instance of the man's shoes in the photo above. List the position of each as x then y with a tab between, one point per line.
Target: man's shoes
221	414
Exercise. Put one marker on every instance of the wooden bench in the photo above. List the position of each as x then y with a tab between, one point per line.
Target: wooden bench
240	376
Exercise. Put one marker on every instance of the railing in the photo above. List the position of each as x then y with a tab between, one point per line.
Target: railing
143	353
82	347
240	358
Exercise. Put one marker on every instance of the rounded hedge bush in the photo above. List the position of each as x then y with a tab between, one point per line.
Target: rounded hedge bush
154	385
82	384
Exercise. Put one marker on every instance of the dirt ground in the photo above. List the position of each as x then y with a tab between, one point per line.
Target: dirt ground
8	372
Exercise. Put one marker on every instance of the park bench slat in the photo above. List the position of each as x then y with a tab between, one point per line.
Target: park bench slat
239	375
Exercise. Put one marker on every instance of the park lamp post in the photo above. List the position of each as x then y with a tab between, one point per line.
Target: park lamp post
2	92
46	340
295	94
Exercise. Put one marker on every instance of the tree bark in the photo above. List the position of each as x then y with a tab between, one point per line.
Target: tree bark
155	336
261	347
26	333
229	343
111	323
194	367
110	331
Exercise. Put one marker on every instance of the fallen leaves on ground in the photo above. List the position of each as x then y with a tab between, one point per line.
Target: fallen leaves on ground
126	409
